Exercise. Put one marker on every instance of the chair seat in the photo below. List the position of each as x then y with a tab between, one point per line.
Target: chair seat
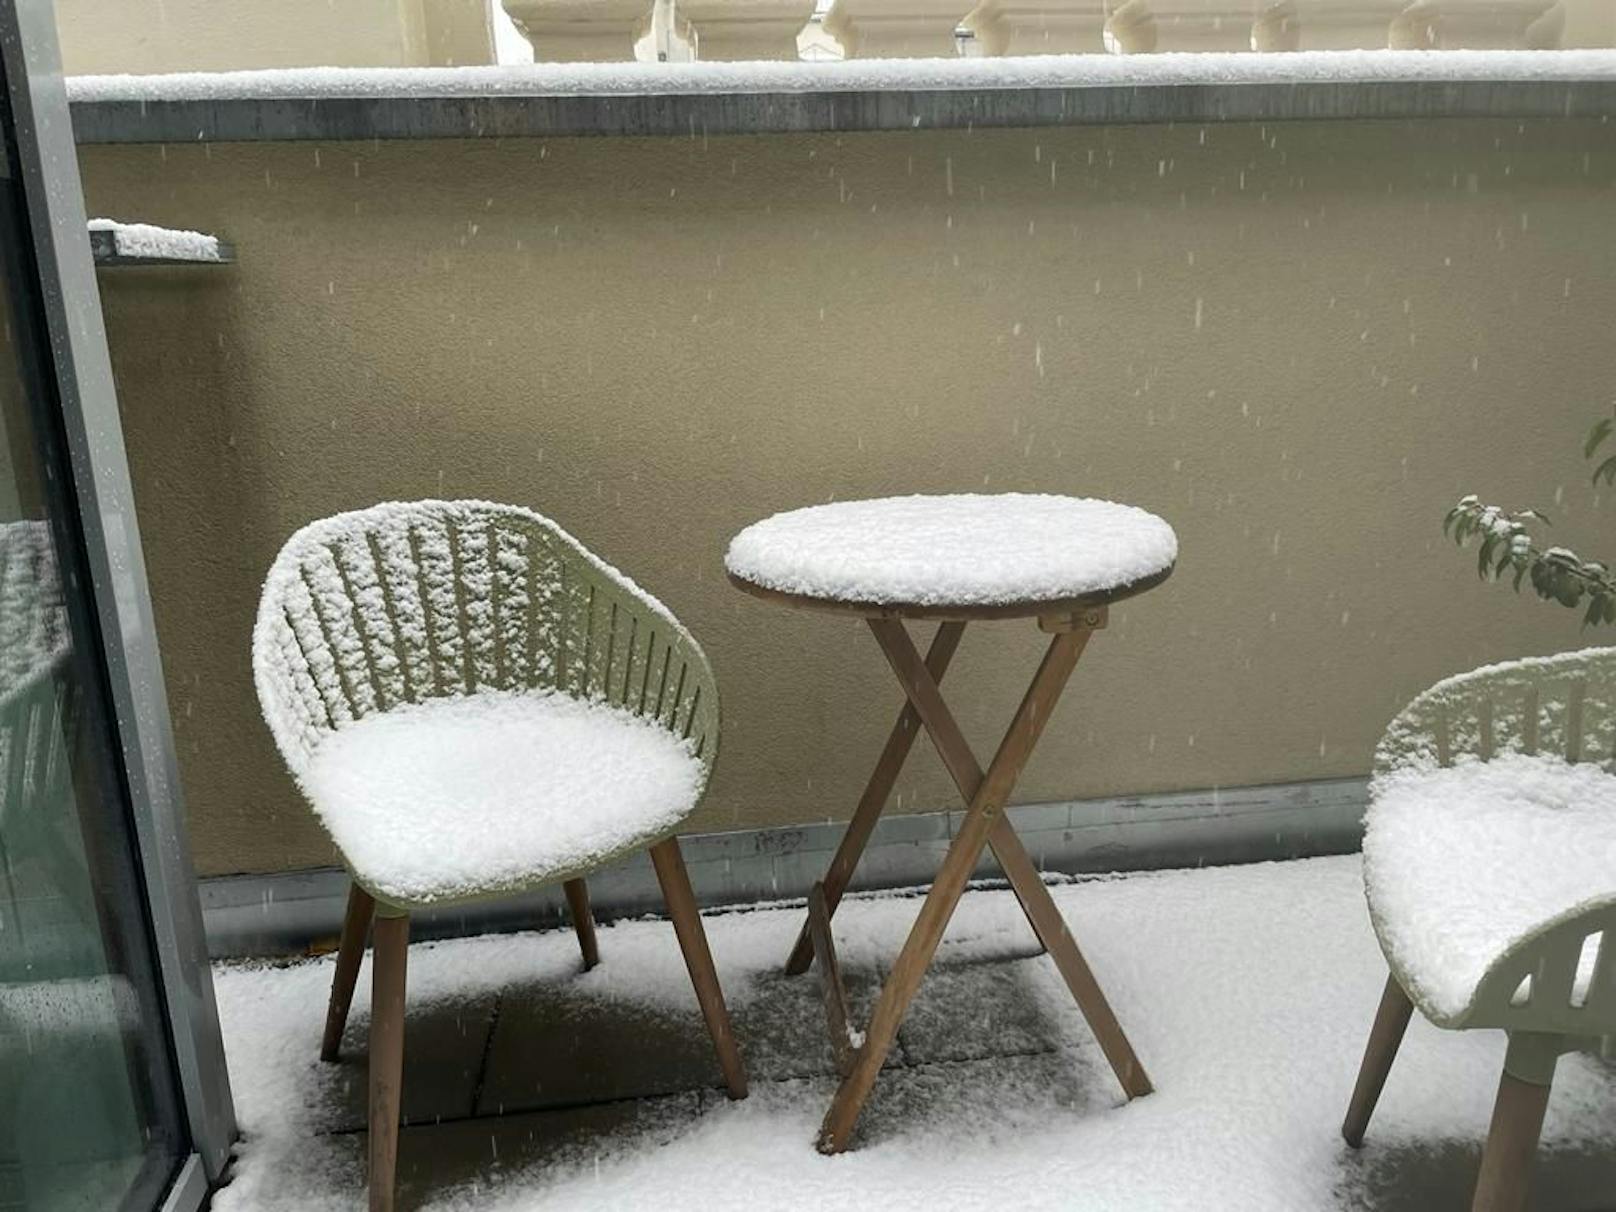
1461	863
494	792
966	551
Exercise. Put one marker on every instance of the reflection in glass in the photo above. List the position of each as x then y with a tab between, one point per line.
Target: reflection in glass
88	1113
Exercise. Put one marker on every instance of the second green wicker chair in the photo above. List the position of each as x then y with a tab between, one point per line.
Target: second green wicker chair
1486	865
476	706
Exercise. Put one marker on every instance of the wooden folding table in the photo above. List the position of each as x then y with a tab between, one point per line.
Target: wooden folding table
1070	621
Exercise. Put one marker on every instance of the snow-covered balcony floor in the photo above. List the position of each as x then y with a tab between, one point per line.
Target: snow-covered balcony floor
1247	991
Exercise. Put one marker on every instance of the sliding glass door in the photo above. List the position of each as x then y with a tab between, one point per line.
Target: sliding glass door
112	1089
89	1111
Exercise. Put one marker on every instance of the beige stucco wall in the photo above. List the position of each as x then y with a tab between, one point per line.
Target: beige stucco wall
1589	23
1300	343
143	36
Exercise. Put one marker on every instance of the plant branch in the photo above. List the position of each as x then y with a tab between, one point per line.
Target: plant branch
1557	574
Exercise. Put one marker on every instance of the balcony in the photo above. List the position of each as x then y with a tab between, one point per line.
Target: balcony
1293	276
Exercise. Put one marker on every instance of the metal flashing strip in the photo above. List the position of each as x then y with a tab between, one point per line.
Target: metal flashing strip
294	911
248	119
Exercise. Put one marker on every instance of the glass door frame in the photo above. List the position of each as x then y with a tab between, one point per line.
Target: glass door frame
79	377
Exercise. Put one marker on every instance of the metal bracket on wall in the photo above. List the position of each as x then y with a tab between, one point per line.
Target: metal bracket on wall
110	247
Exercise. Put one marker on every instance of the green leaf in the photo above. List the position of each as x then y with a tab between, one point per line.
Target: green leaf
1596	435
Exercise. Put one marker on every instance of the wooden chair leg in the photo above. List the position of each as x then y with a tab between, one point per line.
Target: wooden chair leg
681	902
583	922
1506	1163
355	925
386	1055
1391	1020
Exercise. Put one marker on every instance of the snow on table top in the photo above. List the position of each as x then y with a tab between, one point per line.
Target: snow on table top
964	550
1036	71
495	791
1462	862
164	243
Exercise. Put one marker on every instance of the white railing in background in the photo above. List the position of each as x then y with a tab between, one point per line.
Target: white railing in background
744	29
894	29
1325	24
1038	27
144	36
605	30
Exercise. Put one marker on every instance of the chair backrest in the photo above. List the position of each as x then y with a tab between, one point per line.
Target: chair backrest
407	601
1563	705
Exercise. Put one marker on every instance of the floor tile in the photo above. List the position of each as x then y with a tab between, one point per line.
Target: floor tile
972	1010
780	1023
1442	1174
444	1046
470	1156
554	1046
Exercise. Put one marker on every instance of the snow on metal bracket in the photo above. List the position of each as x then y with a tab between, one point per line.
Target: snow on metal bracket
116	243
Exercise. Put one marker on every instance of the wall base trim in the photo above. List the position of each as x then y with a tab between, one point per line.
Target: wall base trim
295	911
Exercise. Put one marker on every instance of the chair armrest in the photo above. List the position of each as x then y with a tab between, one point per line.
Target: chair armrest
1534	985
629	650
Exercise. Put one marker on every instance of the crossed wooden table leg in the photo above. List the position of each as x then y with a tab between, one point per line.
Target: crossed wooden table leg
984	824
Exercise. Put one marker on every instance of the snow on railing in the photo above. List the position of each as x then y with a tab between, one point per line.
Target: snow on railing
672	30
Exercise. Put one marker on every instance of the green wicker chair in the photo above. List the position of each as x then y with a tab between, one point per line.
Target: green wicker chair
1549	979
387	623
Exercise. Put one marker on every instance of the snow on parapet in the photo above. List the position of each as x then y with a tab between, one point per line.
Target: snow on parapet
1039	71
147	242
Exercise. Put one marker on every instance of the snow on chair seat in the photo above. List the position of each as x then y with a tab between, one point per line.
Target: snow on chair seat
495	792
1464	863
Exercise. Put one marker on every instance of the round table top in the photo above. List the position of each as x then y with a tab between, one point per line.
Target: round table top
966	556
